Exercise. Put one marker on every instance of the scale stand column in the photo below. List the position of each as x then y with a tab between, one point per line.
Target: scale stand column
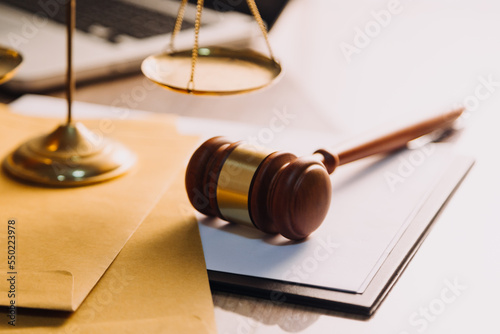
71	155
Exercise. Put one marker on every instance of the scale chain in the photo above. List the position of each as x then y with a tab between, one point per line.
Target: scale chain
178	24
199	7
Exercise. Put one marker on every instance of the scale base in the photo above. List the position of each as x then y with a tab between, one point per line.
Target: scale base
69	156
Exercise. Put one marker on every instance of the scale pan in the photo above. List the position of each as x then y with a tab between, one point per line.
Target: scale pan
9	61
218	71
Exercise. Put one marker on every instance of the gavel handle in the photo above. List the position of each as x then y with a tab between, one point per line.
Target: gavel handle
384	141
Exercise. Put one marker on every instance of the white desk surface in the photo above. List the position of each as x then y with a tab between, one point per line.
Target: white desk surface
423	57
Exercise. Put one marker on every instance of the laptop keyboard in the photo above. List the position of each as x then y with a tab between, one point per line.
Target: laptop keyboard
108	19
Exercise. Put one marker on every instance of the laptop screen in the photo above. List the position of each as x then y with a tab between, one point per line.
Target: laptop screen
269	9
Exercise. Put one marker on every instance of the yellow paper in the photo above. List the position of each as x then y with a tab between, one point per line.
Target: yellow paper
67	238
157	284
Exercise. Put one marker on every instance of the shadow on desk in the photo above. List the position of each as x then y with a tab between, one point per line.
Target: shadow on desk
289	317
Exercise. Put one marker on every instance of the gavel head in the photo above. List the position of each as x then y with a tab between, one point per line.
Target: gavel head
275	192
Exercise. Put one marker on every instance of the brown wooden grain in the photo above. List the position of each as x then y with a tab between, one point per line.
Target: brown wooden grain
386	139
202	172
300	198
260	191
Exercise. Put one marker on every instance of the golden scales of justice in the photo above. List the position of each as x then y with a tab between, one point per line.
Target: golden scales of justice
69	156
212	70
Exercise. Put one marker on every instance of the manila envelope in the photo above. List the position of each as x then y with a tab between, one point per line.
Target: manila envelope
157	284
67	238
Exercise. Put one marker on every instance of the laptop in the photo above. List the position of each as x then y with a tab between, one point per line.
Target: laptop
112	37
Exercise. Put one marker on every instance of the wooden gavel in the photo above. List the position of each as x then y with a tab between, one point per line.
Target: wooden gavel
277	192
